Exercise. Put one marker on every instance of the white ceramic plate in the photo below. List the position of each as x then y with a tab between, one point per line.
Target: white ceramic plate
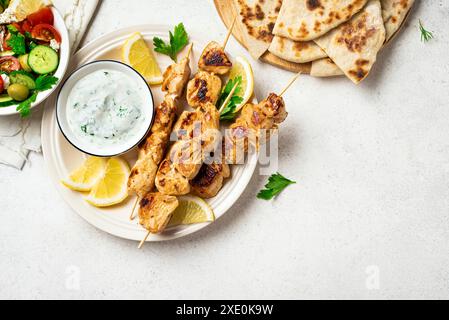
61	158
64	54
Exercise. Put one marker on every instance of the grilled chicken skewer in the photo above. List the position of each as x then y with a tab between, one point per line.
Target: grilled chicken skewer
156	209
251	127
205	87
152	151
187	155
262	118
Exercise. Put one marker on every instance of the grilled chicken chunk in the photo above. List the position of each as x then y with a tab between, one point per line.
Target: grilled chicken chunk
189	154
175	77
253	127
202	89
210	179
169	181
156	210
199	136
152	151
215	60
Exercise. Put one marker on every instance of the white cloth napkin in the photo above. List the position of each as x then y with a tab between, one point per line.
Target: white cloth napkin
18	137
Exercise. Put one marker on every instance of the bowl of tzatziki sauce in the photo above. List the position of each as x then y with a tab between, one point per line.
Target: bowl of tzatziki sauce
105	108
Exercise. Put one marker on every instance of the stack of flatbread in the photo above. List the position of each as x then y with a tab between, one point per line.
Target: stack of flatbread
338	37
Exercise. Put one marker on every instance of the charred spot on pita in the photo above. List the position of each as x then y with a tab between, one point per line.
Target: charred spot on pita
359	73
313	4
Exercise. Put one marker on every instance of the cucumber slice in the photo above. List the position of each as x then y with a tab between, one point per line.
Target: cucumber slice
6	101
43	60
20	77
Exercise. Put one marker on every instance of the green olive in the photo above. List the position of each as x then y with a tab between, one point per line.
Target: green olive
18	92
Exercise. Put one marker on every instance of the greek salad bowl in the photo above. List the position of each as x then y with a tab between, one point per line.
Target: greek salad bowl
35	74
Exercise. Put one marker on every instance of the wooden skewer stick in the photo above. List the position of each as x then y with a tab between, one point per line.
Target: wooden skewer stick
190	50
131	217
228	98
292	81
229	33
144	240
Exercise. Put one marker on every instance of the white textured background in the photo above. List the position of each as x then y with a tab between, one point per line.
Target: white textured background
372	165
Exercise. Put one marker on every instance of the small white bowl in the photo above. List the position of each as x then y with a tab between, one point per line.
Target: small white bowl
109	150
64	55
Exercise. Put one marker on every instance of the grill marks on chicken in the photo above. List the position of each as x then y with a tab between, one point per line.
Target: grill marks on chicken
156	210
210	180
253	127
214	59
204	88
199	136
175	78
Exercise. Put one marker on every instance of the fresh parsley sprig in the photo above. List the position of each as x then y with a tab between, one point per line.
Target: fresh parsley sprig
426	36
4	3
276	184
43	83
179	39
17	41
228	112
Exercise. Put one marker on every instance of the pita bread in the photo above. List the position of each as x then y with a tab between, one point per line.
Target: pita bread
257	19
394	13
325	68
305	20
296	51
354	45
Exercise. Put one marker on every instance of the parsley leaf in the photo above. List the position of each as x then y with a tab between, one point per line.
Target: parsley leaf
276	184
17	44
425	35
43	83
25	106
178	40
12	29
4	3
228	112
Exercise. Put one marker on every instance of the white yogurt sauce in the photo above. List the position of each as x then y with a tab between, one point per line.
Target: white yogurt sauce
106	108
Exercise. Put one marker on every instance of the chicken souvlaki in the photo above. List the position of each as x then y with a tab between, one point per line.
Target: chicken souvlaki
190	165
152	151
193	129
252	128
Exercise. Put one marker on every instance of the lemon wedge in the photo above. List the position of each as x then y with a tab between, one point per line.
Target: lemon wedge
241	67
85	177
138	55
23	8
191	210
111	189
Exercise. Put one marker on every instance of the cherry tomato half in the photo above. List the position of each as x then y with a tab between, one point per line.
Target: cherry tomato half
45	32
2	85
9	64
26	26
45	15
